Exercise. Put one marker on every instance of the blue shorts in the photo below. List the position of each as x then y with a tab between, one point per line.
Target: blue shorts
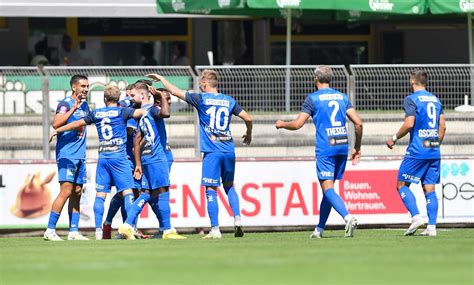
72	170
331	167
114	172
155	175
415	170
217	165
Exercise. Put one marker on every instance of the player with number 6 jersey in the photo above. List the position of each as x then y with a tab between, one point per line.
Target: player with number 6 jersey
424	120
329	108
215	111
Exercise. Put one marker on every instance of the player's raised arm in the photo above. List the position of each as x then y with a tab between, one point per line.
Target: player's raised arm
441	128
293	125
62	115
355	119
181	94
248	122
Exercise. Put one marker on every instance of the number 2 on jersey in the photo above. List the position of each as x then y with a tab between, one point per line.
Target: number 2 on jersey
216	114
335	105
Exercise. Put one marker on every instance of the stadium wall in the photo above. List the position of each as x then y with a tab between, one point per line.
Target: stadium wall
273	193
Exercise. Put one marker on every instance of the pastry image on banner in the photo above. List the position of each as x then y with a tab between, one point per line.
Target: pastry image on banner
34	197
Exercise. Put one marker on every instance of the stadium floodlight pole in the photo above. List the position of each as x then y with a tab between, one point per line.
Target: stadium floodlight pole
288	59
46	114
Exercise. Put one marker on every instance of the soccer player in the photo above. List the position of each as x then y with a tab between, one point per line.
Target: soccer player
151	161
71	159
112	167
424	120
329	108
215	112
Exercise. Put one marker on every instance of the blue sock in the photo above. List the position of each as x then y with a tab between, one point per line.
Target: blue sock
154	206
98	211
53	220
128	202
233	200
212	207
324	211
115	204
432	207
409	200
165	210
123	212
137	207
74	221
336	201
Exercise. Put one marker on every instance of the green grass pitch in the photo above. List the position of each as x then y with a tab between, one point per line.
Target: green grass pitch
371	257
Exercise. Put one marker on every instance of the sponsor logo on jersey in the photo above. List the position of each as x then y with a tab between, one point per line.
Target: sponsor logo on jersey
217	102
111	113
327	97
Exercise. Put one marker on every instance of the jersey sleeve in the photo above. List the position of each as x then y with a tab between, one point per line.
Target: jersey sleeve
155	112
348	103
132	123
237	109
307	106
89	118
193	98
127	113
62	108
409	107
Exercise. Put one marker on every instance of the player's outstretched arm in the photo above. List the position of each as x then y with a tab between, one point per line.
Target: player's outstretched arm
60	119
296	124
356	120
181	94
441	128
138	113
403	131
68	127
137	155
248	122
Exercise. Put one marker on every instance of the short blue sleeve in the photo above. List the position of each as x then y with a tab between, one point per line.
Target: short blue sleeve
132	123
348	103
193	98
308	106
155	112
409	106
127	113
62	107
89	118
237	109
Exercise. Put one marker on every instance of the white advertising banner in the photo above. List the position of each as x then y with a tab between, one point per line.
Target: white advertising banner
272	193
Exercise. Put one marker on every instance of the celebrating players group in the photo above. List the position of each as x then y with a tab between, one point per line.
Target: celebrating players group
134	155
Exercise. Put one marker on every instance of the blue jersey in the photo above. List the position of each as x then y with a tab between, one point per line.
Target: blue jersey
328	108
72	144
152	151
215	113
424	141
111	123
160	124
131	123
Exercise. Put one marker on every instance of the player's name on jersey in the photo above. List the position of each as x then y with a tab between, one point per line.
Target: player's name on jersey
428	133
336	131
326	97
111	113
217	102
428	98
116	141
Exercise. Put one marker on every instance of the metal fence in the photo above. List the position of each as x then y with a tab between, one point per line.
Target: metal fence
267	92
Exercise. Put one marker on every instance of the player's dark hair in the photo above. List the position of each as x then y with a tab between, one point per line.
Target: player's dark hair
147	82
76	78
111	93
129	87
323	74
420	77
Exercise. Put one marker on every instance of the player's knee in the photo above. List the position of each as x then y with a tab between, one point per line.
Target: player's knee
401	184
228	185
101	194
